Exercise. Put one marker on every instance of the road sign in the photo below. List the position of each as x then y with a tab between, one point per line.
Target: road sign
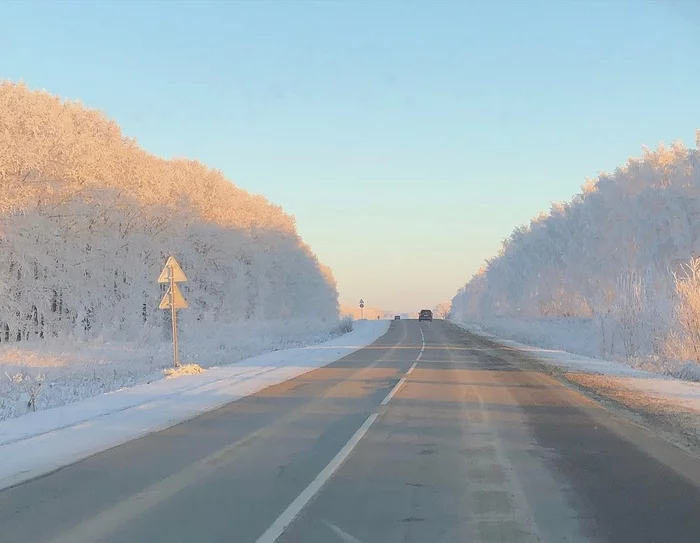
362	304
173	300
178	276
178	299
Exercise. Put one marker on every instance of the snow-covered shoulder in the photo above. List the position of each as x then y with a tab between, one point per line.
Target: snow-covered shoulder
40	442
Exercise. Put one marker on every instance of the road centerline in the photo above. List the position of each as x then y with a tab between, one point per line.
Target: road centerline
393	391
288	515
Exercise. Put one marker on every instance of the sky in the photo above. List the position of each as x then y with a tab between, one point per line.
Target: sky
407	138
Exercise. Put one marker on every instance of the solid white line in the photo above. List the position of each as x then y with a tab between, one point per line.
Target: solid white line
420	355
413	367
393	391
287	517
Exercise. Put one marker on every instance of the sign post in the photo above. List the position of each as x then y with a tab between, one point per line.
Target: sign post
362	308
172	274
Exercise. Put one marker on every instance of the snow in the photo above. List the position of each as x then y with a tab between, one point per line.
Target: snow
70	371
40	442
182	369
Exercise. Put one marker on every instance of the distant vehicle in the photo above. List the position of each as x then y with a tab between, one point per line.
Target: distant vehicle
397	317
425	315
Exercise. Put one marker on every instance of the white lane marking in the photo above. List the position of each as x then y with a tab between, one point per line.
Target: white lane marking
288	515
393	391
342	534
413	367
422	348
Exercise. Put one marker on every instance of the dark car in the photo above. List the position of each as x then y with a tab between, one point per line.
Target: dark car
397	317
425	315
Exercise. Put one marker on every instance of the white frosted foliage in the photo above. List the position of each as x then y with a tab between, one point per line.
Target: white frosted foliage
616	255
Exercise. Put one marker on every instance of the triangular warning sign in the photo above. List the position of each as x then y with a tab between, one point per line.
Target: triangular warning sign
178	274
178	299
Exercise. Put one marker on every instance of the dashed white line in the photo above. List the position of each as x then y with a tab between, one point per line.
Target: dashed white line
393	391
422	347
288	515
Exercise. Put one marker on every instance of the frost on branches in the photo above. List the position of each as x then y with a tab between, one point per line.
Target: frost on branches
87	219
619	256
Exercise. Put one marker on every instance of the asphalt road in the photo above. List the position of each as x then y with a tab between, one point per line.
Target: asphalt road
429	435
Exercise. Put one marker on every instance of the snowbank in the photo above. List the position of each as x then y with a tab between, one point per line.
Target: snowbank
40	442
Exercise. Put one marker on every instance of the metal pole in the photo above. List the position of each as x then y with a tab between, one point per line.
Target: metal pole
173	315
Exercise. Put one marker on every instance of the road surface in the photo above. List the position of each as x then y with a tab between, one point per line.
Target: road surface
428	435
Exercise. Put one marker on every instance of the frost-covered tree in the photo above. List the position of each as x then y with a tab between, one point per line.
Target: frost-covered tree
608	254
87	219
442	310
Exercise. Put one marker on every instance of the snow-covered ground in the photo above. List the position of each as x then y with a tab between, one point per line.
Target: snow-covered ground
62	373
39	442
674	403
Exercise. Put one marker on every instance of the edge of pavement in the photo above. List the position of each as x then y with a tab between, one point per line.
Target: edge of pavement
40	443
643	413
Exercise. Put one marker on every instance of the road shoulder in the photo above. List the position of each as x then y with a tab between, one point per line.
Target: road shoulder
667	407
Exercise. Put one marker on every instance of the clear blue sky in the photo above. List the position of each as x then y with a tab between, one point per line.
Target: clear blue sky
408	138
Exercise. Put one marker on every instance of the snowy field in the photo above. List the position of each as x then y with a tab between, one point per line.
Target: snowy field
40	442
44	375
656	394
